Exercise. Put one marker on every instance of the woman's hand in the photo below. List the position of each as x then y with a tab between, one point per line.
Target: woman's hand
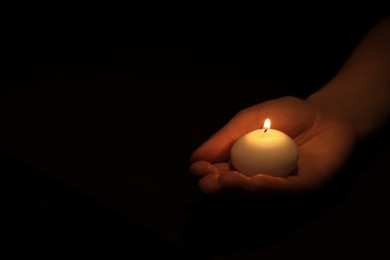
325	142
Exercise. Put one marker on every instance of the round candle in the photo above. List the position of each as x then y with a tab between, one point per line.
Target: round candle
266	151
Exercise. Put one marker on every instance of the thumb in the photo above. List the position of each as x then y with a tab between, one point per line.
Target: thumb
217	147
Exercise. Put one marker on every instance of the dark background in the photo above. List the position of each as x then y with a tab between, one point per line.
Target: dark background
100	111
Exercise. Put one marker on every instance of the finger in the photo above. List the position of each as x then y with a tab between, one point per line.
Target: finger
223	167
209	184
262	182
202	168
233	180
291	186
263	185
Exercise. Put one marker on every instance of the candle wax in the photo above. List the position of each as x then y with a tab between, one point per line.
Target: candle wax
269	152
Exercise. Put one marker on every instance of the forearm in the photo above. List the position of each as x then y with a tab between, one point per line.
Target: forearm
360	91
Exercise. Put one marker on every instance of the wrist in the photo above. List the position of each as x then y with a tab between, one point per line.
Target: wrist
335	108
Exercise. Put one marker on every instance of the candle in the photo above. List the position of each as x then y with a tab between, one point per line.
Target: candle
266	151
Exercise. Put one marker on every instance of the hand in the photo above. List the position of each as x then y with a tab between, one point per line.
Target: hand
325	141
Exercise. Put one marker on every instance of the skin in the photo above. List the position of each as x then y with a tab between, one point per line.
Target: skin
326	126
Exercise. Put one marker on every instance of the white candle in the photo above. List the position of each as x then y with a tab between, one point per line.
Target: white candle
265	151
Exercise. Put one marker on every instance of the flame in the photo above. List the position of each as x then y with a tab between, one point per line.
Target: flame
267	124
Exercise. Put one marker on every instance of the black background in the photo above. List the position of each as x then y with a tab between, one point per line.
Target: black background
101	110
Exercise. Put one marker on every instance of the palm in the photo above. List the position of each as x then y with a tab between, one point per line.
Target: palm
324	141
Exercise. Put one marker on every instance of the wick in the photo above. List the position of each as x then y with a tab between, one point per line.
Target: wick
265	130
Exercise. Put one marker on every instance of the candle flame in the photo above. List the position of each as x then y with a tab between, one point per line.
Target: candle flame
267	124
